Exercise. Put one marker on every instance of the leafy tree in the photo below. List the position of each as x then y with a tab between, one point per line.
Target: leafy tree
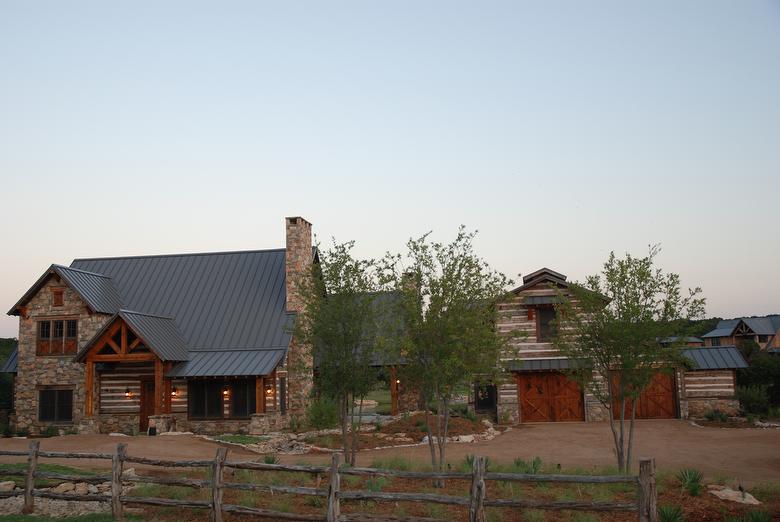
448	313
340	321
6	379
617	328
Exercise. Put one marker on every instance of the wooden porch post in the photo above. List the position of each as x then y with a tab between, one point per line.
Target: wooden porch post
167	391
89	388
158	386
273	381
259	395
393	391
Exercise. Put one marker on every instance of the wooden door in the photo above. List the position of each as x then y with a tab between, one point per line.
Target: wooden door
147	404
549	397
657	401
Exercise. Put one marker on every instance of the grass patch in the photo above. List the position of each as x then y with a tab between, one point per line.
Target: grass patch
94	517
241	439
397	463
766	491
52	468
172	492
382	397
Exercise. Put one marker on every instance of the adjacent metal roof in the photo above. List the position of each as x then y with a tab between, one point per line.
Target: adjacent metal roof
224	363
716	358
543	271
10	364
219	301
97	290
767	325
536	365
159	334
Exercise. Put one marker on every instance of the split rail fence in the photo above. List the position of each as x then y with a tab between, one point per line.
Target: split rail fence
476	502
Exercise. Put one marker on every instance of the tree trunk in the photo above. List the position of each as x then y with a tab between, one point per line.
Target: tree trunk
356	435
430	440
611	412
344	420
630	438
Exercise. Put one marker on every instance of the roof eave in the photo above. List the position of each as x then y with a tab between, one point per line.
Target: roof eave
52	270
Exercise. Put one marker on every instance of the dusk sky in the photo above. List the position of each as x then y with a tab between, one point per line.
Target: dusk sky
559	130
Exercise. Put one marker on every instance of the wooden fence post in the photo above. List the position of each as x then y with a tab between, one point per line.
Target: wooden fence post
648	495
334	509
477	494
216	485
117	465
29	481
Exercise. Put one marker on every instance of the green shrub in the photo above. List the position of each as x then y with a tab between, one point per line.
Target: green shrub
690	480
716	416
758	516
531	467
296	425
667	513
462	410
753	399
50	431
322	414
375	484
397	463
8	430
271	458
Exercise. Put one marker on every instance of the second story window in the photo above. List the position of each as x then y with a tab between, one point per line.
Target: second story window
57	337
545	324
57	298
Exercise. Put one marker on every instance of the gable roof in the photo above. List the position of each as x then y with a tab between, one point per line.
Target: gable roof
767	325
96	290
219	301
539	276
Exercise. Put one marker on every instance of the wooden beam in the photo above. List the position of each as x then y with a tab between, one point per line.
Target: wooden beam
134	344
167	392
158	386
89	388
123	338
259	395
273	380
131	357
393	391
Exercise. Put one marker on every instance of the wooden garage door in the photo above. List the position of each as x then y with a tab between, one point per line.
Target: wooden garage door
657	401
548	397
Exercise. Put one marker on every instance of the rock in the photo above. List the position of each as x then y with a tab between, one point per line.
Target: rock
116	434
7	485
735	496
466	438
81	488
399	434
65	487
92	489
130	472
175	433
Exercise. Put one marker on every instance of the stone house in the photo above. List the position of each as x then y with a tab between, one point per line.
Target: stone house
197	342
538	390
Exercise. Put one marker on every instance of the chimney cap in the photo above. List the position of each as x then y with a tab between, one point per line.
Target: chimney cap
293	220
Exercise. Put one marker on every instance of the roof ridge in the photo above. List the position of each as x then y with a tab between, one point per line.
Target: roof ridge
186	254
217	350
80	270
146	314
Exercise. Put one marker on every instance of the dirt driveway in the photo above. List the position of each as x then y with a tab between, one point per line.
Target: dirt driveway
752	455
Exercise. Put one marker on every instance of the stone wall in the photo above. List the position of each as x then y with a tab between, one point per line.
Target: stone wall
697	408
38	372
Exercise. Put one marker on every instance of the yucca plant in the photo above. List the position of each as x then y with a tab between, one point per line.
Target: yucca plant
690	480
668	513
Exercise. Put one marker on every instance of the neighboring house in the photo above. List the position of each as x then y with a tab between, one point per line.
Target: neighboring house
198	342
540	391
764	331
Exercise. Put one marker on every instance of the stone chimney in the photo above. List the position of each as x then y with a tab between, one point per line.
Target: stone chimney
298	259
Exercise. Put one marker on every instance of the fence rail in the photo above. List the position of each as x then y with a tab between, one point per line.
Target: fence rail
476	501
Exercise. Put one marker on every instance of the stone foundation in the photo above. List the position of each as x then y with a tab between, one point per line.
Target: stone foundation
263	423
697	408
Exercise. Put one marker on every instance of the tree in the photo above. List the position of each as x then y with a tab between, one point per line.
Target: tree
619	329
340	321
448	313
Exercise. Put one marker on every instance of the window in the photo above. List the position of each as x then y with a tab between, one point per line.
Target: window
57	337
204	399
545	328
242	398
55	405
716	341
57	297
763	338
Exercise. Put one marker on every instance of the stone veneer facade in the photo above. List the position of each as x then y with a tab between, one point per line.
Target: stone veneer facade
36	372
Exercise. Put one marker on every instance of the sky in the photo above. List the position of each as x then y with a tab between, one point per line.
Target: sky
560	130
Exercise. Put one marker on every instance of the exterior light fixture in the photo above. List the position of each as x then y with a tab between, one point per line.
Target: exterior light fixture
268	391
398	381
128	393
225	391
174	392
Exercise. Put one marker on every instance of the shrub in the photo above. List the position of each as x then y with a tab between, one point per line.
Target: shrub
690	480
8	430
716	416
271	458
50	431
753	399
462	410
758	516
667	513
295	424
375	484
531	467
397	463
323	414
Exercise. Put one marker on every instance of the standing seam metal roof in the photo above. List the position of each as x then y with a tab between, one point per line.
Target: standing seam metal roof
10	364
159	333
229	363
716	358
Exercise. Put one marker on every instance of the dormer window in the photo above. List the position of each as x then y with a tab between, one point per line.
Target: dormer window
57	296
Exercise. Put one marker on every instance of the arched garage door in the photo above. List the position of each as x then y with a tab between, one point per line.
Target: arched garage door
548	397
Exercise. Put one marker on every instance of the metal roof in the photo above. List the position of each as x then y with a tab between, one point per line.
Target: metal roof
225	363
10	364
219	301
767	325
718	332
97	290
536	365
716	358
543	271
159	333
